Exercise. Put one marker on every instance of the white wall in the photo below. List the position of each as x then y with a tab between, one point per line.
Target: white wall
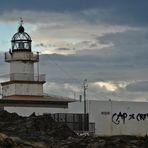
102	122
21	62
29	89
23	89
136	118
8	90
116	117
21	67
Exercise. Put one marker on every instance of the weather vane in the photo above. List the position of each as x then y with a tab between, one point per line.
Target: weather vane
21	21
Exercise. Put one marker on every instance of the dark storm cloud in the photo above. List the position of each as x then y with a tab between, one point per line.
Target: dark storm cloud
53	5
127	12
130	47
133	12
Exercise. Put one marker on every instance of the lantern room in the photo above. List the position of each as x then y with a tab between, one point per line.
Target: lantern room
21	41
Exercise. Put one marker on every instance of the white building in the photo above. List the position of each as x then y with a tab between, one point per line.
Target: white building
22	81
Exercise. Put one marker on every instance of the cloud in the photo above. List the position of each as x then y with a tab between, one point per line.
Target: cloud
130	47
66	89
110	86
40	45
118	12
65	75
115	12
61	30
48	5
63	49
138	87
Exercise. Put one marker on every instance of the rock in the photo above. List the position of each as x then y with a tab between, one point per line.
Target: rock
94	145
7	143
34	127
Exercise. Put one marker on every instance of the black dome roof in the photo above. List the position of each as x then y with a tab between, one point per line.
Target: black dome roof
21	35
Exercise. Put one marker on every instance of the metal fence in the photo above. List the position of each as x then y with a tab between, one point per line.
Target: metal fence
76	122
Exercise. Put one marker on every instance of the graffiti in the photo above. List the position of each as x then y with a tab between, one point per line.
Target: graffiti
131	116
117	118
141	116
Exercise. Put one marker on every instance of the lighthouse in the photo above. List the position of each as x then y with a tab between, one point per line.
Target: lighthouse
24	87
23	81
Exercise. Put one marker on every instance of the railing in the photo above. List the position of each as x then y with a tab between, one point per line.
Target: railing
76	122
27	77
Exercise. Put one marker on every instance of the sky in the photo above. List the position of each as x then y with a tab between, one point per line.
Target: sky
103	41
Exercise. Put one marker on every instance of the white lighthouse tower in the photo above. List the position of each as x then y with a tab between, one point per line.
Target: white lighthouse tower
25	88
23	81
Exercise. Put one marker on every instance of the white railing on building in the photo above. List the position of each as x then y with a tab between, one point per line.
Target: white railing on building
27	77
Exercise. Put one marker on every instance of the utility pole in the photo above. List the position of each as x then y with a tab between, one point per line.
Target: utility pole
85	122
85	86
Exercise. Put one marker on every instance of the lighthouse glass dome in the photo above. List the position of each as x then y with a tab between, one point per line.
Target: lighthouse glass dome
21	41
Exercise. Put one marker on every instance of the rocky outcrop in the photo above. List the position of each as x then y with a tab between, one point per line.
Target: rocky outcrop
15	142
104	142
43	132
33	130
33	127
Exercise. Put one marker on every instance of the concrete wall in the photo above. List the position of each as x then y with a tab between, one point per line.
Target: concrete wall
8	90
22	89
22	62
116	117
21	67
22	55
29	89
129	118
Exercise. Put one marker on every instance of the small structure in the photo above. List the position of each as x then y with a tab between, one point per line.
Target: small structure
24	87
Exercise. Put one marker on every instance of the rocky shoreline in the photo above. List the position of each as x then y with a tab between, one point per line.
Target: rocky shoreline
43	132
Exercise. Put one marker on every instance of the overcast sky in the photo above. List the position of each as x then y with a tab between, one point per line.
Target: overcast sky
103	41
